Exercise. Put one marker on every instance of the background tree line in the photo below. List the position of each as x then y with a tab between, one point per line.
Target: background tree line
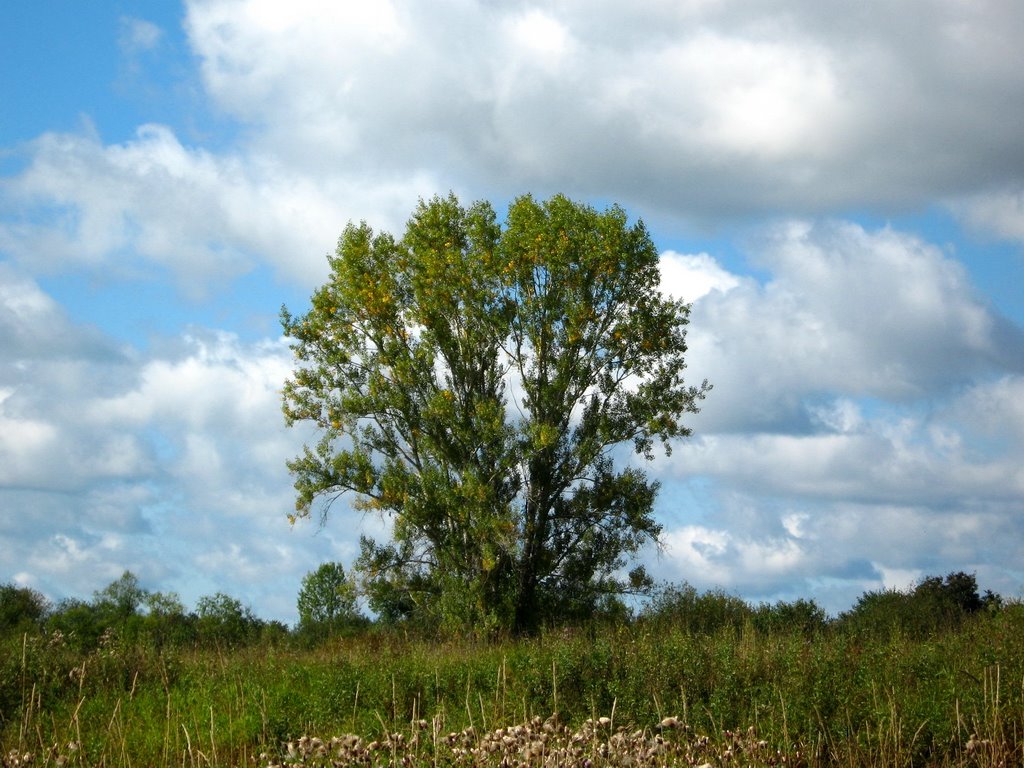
126	613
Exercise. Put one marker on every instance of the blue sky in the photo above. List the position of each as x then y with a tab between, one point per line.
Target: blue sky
839	192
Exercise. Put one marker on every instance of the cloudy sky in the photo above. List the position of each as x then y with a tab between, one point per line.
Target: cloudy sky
837	187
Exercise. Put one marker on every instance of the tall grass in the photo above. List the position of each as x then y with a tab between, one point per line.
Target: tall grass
826	698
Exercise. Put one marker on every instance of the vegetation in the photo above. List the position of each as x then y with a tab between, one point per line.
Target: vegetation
471	381
328	603
689	679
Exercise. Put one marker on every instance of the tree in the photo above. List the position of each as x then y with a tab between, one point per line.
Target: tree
804	616
223	619
78	621
327	601
680	606
20	607
955	595
472	382
166	621
935	604
120	599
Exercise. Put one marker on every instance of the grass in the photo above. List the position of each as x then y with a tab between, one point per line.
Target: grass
728	698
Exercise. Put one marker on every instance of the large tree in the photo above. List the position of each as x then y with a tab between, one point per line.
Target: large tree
474	383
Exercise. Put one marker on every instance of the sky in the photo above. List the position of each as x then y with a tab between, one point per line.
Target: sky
837	188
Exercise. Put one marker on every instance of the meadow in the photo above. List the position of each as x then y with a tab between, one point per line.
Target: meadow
699	682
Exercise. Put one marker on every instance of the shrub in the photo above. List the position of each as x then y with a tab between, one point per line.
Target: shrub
682	607
21	608
934	605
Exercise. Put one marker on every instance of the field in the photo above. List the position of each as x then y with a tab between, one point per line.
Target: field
632	693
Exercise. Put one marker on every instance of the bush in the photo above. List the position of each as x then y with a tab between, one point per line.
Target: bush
933	606
328	604
21	609
223	620
80	623
804	616
683	608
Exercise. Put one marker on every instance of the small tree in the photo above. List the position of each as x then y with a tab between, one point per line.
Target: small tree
118	606
804	616
955	594
473	383
80	623
166	621
327	602
20	608
682	606
223	619
935	604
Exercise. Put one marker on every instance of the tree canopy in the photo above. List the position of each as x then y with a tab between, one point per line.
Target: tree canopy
327	602
475	383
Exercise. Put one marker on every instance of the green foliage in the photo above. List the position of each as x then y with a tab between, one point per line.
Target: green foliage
78	622
507	508
125	610
801	616
121	599
930	676
682	607
327	603
934	605
21	609
224	621
125	615
832	697
166	623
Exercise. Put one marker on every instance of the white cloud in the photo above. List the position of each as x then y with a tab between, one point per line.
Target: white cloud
989	419
173	467
705	109
539	35
842	415
33	325
138	35
718	558
865	427
735	96
25	444
691	277
204	218
351	111
897	578
999	212
839	550
216	381
862	313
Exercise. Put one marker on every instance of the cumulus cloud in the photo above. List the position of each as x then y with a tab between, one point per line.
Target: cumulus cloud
690	277
34	325
781	546
153	202
878	314
998	212
865	422
169	463
705	109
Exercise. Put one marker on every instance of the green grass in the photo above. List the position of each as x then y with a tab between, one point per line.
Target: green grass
830	698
